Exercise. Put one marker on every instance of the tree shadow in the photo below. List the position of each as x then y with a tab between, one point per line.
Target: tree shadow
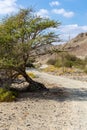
57	93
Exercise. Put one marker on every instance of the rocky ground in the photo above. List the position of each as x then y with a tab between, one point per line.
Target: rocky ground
64	107
34	114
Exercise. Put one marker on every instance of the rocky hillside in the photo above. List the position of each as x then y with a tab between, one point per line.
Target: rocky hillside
78	45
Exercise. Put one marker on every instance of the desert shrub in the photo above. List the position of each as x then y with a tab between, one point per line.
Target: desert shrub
80	64
85	70
7	95
55	62
71	57
68	64
85	59
51	61
2	90
58	63
63	60
68	60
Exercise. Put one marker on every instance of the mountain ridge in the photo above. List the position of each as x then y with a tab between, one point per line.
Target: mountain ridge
78	45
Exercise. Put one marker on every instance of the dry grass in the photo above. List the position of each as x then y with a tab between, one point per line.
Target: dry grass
32	75
50	68
60	70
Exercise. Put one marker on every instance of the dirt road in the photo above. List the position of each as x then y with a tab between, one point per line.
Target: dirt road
63	108
75	98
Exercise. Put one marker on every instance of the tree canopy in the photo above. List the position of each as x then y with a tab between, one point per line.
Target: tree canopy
19	34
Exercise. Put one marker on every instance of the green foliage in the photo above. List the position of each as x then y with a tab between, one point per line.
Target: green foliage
55	62
70	60
71	57
58	63
67	60
68	64
19	35
6	95
85	70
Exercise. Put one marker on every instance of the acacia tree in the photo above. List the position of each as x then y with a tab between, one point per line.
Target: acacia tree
19	35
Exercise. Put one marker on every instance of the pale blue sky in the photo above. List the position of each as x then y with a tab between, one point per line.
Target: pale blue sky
71	13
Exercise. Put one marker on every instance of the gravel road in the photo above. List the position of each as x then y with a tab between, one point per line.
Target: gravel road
64	107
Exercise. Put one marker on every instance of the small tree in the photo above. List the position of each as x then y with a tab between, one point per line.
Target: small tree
19	35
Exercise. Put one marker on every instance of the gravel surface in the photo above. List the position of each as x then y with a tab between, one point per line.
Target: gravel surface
64	107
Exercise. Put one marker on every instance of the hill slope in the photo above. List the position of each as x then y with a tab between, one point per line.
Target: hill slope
78	45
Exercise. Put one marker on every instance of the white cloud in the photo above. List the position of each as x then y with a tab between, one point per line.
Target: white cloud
68	32
54	3
63	12
43	13
71	31
8	6
68	28
84	28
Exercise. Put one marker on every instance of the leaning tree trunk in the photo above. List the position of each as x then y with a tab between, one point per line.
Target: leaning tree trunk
33	85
